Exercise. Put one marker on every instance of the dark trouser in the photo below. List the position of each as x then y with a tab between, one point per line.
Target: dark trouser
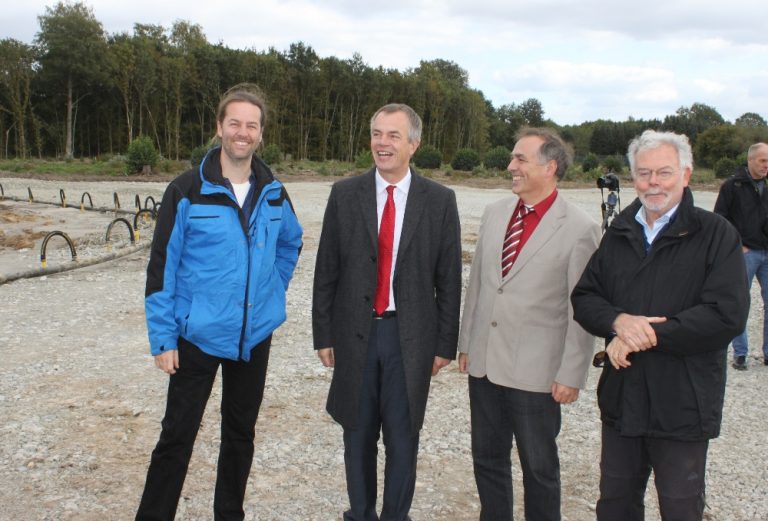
383	406
499	415
188	392
625	465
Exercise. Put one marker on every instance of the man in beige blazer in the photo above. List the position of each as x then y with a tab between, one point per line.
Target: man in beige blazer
524	353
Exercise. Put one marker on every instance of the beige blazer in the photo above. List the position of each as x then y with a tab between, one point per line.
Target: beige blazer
519	330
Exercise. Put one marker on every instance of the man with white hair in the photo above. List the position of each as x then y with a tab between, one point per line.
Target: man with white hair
667	290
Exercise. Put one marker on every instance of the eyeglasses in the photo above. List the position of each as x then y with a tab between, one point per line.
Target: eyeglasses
599	359
664	174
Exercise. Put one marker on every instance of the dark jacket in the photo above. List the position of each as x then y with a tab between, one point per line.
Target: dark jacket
216	277
427	288
741	203
694	275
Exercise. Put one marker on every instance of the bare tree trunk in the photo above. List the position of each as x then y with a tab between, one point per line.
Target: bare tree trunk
68	144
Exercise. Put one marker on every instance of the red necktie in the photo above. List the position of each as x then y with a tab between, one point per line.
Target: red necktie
386	239
512	239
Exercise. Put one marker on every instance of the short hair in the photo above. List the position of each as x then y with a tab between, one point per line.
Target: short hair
414	127
248	92
651	139
552	149
752	152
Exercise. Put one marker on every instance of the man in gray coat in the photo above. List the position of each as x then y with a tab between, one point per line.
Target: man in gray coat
524	353
385	311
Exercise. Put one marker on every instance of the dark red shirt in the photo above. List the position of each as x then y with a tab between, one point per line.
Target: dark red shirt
532	219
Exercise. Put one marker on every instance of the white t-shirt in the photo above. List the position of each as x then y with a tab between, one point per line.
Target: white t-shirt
241	191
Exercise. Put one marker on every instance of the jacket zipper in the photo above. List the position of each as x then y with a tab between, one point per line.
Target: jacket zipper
246	302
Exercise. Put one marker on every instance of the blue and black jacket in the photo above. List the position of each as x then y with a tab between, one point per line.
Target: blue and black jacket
217	277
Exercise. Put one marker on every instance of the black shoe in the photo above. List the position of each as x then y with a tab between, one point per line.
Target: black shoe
740	363
765	361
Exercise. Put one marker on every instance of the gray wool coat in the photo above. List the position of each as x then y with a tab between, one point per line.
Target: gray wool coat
427	288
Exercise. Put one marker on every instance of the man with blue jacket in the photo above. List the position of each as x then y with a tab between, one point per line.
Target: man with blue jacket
225	246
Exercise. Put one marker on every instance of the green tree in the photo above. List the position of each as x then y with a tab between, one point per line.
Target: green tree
693	121
718	142
427	156
73	53
590	162
16	72
532	112
465	159
142	156
497	158
750	120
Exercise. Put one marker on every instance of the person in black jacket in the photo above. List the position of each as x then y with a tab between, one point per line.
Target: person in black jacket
667	290
743	200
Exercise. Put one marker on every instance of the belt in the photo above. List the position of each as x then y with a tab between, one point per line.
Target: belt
386	314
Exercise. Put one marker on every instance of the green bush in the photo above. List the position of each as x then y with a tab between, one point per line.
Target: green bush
590	162
364	159
141	153
271	155
614	164
427	156
497	158
724	167
465	160
197	155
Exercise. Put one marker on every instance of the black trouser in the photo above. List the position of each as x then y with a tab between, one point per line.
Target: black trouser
499	416
625	465
188	392
383	407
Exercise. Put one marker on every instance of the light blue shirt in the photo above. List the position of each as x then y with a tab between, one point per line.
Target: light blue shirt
652	231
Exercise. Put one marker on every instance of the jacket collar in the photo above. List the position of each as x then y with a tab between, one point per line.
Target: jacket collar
685	221
210	173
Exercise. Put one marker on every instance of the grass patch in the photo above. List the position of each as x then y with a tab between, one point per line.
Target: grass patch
114	166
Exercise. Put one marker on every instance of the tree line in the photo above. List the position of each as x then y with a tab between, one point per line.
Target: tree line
78	91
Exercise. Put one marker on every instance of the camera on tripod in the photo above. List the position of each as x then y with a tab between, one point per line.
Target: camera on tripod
612	204
609	181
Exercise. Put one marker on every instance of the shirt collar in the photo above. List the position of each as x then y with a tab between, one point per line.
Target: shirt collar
542	206
658	223
404	184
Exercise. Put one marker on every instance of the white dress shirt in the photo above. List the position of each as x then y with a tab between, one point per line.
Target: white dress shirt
400	195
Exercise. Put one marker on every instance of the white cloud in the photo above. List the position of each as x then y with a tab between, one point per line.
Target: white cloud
583	59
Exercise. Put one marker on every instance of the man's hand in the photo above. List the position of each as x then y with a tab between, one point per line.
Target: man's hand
618	353
744	249
636	330
439	363
564	394
326	356
463	362
168	361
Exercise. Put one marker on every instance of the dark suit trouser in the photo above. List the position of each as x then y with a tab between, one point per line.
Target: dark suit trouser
498	415
383	407
188	392
625	465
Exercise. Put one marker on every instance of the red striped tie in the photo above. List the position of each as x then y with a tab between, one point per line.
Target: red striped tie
512	239
386	240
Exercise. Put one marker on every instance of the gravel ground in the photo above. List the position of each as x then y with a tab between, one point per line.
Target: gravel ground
81	400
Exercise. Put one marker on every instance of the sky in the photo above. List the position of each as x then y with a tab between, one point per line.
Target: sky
583	59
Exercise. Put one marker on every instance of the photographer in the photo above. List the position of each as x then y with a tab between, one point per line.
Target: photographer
744	202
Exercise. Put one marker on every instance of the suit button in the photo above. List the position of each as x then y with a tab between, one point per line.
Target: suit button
373	259
494	324
367	298
360	337
499	291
